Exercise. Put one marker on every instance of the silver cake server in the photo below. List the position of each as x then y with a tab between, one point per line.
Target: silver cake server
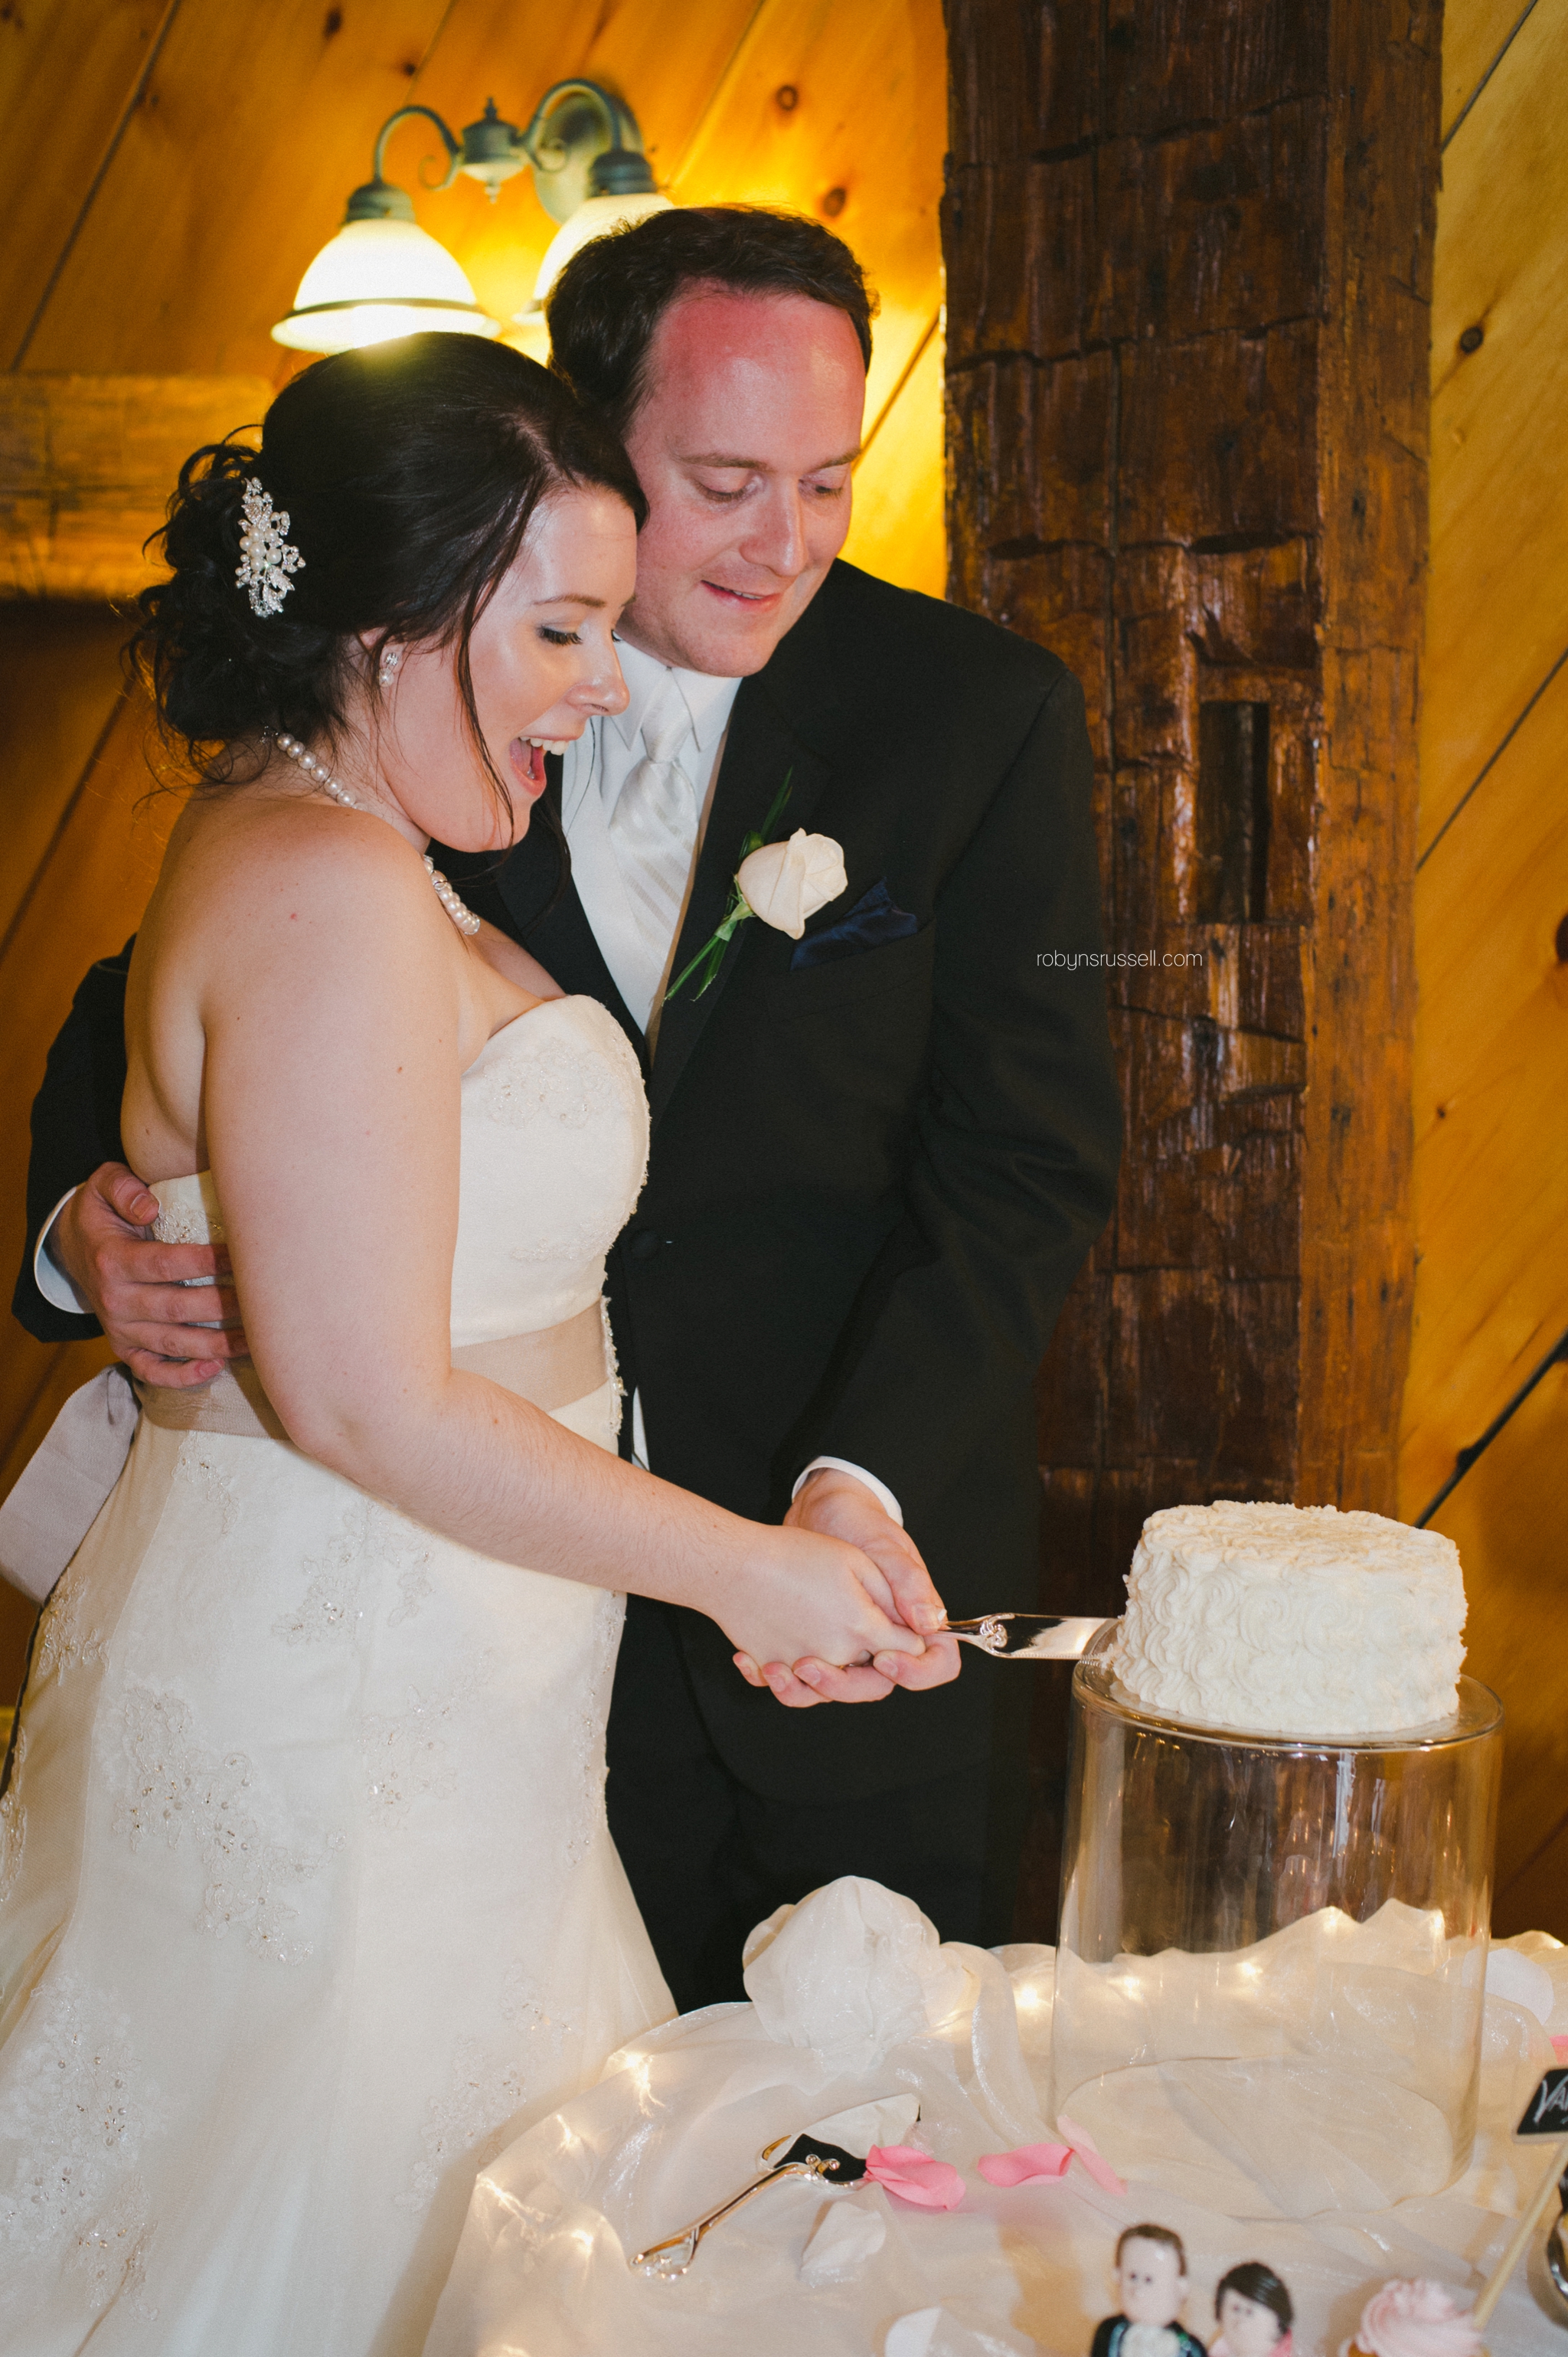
1027	1636
833	2149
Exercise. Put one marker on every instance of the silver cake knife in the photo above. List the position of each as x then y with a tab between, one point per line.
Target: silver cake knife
1027	1636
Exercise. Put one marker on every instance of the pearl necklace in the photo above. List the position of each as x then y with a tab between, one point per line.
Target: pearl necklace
462	915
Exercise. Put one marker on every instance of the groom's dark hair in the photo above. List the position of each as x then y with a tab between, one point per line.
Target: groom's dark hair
605	307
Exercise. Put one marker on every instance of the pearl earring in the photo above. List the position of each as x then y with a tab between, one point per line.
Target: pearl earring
390	658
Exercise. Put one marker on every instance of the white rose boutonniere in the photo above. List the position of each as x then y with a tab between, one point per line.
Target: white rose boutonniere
782	883
785	883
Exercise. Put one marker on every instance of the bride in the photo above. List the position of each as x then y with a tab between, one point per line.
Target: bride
309	1897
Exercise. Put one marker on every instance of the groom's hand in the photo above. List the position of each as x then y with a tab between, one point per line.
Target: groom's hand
836	1505
139	1288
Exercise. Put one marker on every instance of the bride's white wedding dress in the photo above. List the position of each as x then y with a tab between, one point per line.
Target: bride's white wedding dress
307	1903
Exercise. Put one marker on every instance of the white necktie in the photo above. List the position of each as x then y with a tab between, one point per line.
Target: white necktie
653	826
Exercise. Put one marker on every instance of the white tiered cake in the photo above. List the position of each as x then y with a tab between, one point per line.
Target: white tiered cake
1292	1621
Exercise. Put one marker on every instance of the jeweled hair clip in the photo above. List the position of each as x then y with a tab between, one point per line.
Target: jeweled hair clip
267	555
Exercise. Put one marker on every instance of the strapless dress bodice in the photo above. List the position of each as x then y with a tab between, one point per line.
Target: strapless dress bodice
555	1150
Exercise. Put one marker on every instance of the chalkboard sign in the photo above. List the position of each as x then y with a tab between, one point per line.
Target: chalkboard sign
1546	2113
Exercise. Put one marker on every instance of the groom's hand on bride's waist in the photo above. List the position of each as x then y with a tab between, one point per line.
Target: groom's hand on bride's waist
142	1291
836	1505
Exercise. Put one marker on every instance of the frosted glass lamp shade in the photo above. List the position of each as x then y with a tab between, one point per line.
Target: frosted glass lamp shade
595	218
377	279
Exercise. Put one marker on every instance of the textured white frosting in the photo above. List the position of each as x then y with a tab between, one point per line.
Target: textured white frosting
1292	1619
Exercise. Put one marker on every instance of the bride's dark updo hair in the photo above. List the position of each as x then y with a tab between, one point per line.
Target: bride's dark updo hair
409	472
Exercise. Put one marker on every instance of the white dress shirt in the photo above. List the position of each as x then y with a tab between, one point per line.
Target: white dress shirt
52	1280
593	772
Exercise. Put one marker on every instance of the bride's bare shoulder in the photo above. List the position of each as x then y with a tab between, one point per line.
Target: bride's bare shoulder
255	856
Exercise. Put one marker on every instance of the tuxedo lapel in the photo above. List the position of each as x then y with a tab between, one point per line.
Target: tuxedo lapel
782	721
561	937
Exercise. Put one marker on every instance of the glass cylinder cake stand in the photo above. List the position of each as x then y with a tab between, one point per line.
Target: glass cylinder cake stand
1271	1956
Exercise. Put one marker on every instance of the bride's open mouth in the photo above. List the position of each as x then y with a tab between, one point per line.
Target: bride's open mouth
528	760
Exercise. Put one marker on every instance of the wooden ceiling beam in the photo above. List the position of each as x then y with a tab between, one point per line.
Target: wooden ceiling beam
87	463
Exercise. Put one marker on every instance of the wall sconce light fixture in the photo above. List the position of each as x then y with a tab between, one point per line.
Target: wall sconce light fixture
382	276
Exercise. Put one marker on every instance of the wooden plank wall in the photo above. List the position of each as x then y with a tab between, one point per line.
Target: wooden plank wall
167	167
1491	1109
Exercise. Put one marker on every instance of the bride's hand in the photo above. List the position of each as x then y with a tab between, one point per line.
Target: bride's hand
818	1600
837	1504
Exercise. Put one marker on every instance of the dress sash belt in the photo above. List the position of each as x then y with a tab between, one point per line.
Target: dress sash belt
550	1368
553	1368
62	1491
232	1402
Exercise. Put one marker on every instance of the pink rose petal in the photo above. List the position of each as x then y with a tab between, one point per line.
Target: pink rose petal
915	2176
1089	2152
1026	2164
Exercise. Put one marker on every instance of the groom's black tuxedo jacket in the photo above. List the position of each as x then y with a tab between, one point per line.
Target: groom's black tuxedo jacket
874	1174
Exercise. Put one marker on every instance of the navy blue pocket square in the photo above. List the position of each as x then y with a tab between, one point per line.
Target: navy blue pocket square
874	919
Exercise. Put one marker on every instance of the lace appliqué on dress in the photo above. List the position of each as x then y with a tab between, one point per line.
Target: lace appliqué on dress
570	1085
64	1643
589	1730
411	1756
370	1537
197	1468
76	2109
403	1547
585	1241
108	2259
328	1611
13	1820
543	1076
415	1587
185	1221
171	1784
523	2005
483	2096
486	2088
615	1406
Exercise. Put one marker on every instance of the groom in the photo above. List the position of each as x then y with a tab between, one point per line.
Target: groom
880	1152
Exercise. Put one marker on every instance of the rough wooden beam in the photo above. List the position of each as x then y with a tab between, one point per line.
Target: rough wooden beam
87	463
1383	122
1188	248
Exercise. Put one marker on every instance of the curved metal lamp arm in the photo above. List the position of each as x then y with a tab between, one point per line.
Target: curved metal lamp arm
619	121
454	147
582	141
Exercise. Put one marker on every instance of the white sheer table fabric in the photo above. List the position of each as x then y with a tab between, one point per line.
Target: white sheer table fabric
307	1903
680	2118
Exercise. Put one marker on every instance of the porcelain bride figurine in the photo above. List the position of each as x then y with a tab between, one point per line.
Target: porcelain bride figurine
308	1901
